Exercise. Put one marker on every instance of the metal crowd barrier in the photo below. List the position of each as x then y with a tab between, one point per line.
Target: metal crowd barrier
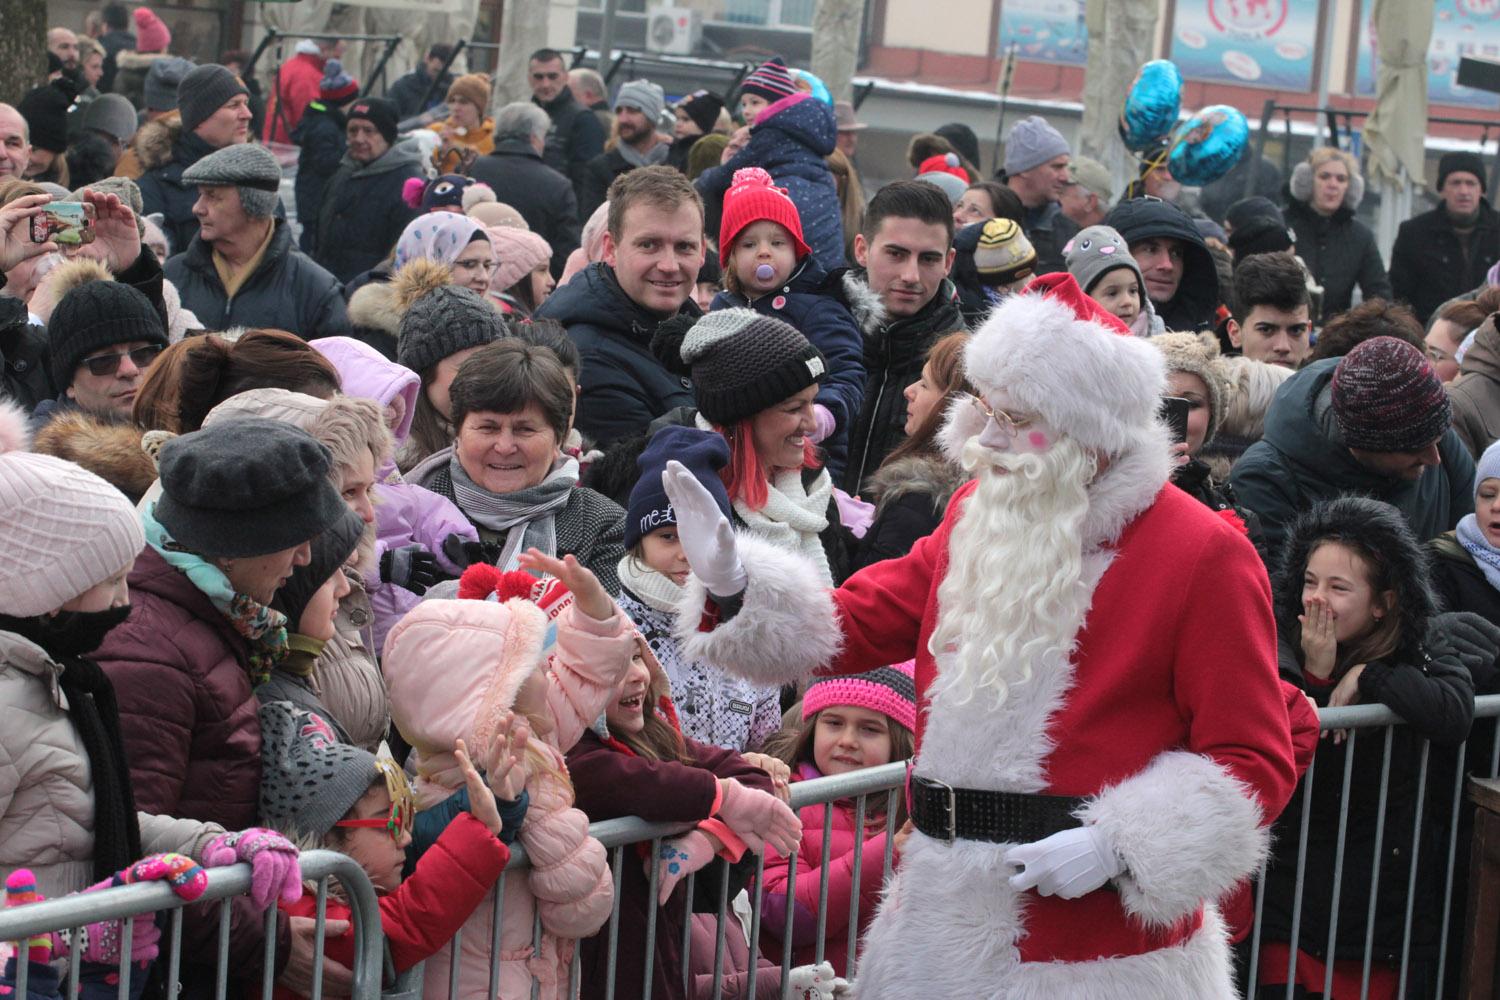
619	836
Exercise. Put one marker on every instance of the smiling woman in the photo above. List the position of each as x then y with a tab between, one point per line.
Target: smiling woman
512	406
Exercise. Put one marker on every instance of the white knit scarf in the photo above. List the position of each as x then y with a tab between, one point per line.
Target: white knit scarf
655	590
794	516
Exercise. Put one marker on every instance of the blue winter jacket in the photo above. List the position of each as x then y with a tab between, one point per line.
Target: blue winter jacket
789	141
826	322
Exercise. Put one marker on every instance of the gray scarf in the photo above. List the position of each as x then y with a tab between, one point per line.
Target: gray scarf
634	157
526	517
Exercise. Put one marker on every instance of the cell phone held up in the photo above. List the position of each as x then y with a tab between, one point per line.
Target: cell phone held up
1174	413
66	223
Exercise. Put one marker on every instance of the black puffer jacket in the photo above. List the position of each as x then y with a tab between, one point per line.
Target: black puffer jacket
895	351
286	292
544	197
1197	298
1428	265
1340	252
363	214
624	385
1426	683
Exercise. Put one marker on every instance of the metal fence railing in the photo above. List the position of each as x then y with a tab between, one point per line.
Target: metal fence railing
1375	736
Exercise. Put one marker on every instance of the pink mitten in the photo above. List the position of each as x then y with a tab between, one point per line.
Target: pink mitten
824	422
181	872
678	858
20	889
273	858
758	818
101	941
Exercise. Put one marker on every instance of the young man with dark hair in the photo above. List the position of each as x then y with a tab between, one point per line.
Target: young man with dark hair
408	93
1375	318
1271	321
1181	279
576	136
902	300
653	248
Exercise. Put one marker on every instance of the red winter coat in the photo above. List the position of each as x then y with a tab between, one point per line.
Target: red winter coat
451	879
844	843
297	85
187	711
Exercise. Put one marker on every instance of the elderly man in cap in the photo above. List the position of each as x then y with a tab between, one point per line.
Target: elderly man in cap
214	106
1036	169
242	268
637	144
1089	193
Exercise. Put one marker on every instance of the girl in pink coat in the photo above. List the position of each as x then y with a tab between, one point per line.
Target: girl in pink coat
454	669
848	723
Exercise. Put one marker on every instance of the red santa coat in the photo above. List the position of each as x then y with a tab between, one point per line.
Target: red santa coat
1169	717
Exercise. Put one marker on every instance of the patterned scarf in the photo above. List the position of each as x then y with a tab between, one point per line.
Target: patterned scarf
1486	556
264	628
526	517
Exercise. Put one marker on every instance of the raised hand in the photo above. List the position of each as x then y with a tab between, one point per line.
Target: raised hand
481	800
15	231
589	595
117	238
506	770
706	534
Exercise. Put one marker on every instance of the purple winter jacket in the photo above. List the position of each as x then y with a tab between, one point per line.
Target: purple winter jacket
404	512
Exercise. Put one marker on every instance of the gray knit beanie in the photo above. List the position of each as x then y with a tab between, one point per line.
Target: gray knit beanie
645	96
162	80
1032	142
443	322
204	90
308	779
741	362
111	114
250	168
1096	251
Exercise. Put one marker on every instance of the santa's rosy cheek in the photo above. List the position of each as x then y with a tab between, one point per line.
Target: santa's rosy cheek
1038	439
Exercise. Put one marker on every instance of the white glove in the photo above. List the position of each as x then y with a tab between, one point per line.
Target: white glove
706	535
1069	864
817	982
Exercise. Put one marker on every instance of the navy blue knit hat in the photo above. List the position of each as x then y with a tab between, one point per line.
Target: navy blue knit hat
703	452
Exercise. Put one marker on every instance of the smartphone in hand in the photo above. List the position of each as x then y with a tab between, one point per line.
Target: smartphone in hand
66	223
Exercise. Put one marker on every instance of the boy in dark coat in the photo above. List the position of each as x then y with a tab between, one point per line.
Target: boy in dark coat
320	133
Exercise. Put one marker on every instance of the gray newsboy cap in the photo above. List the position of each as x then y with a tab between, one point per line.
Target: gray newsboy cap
246	166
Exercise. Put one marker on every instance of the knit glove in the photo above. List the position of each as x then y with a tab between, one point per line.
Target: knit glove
410	566
706	535
678	858
463	552
758	818
824	419
276	872
817	982
1069	864
1473	640
102	940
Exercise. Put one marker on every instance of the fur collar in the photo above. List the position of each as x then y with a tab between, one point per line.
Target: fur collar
110	450
931	475
155	140
1127	487
373	307
869	312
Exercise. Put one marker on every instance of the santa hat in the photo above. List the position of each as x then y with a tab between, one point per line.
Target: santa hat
1057	353
753	196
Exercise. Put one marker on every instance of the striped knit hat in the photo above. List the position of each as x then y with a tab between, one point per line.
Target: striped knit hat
891	691
1387	398
770	80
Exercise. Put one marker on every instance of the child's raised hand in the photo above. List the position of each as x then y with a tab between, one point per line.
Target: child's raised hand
481	800
1319	648
589	595
506	769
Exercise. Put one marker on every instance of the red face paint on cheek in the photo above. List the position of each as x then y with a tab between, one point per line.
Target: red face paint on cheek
1038	439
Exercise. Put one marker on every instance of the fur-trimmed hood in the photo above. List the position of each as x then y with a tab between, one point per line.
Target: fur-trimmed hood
380	305
863	302
109	449
1373	525
155	141
931	475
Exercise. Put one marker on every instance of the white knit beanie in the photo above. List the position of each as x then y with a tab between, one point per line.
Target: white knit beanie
66	530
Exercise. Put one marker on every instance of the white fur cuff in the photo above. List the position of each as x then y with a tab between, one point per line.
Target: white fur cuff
786	626
1187	830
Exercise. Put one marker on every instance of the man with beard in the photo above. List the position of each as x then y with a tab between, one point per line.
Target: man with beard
636	143
1103	740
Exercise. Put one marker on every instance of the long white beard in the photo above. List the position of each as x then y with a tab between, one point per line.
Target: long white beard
1011	602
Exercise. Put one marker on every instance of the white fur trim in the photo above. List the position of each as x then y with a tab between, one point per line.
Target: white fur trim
866	307
786	626
948	925
1095	385
15	434
1187	830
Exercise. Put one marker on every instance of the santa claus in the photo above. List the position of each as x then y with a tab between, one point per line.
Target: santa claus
1102	740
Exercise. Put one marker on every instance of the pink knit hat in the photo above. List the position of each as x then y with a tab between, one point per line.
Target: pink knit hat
891	691
151	32
518	252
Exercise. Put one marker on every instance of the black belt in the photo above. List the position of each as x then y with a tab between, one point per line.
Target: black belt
947	813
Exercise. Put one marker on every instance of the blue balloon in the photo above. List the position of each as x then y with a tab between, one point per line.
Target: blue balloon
1152	106
1208	145
819	88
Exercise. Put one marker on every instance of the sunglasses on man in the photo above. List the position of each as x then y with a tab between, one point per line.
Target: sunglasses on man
101	365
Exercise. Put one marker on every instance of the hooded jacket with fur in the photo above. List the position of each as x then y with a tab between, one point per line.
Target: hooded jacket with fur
1338	249
911	496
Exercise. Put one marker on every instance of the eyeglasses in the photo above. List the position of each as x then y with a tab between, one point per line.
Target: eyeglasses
101	365
1011	425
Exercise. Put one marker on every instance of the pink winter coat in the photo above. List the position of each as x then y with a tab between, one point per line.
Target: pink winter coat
568	883
845	841
404	512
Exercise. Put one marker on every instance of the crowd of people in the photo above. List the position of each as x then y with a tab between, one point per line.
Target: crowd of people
521	467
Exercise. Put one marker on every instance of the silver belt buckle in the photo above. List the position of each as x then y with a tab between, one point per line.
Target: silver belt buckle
952	807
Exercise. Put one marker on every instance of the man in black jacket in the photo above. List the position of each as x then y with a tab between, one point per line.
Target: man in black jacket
903	301
242	268
519	178
653	249
576	136
1444	253
363	213
408	92
1181	279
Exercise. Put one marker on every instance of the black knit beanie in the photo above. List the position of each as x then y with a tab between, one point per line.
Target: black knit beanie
741	362
45	109
1461	162
443	322
330	550
96	315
